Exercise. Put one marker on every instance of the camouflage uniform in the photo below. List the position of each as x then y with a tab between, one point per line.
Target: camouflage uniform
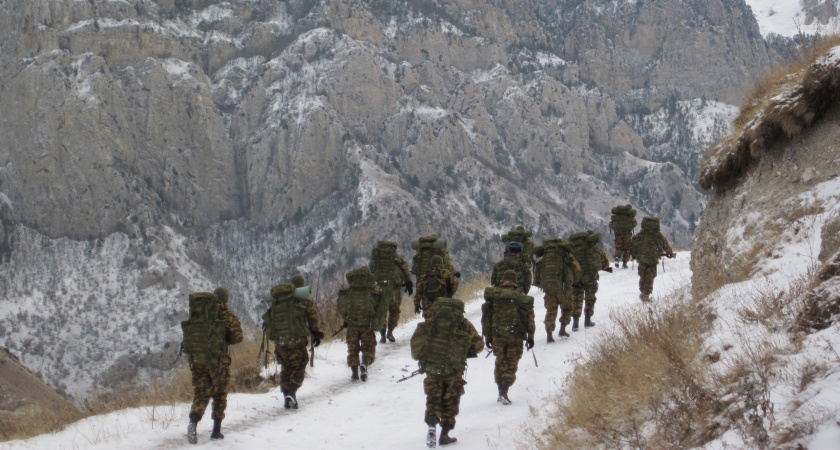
395	295
293	358
647	272
443	392
422	301
360	339
586	292
622	247
508	350
563	299
212	381
516	264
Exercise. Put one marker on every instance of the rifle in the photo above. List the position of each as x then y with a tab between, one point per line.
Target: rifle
263	346
339	330
413	374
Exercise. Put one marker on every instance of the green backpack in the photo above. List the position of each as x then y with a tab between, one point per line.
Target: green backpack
505	313
204	332
554	270
435	286
584	252
518	266
524	238
440	344
426	247
623	219
285	321
646	246
383	264
358	304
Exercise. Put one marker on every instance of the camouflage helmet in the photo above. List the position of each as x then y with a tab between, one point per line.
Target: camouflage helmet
510	276
514	247
222	294
299	281
520	228
437	260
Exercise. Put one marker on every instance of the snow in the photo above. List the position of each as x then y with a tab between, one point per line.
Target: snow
786	18
336	412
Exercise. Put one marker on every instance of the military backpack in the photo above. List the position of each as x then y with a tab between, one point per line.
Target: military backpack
554	270
441	344
204	332
505	313
583	248
523	237
426	247
360	304
646	246
435	286
383	264
518	266
623	219
285	321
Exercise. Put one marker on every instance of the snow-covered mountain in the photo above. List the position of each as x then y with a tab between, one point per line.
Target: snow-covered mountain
789	18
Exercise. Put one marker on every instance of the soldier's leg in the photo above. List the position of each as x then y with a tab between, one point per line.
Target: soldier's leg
625	245
221	382
434	399
203	390
577	301
394	310
368	340
453	389
353	345
552	302
650	274
298	359
566	307
590	296
281	352
508	365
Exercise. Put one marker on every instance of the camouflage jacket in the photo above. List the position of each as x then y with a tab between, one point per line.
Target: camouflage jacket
312	315
401	265
448	278
476	342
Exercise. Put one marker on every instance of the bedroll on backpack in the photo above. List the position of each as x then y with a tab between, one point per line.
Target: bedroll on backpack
383	264
356	306
204	332
441	344
505	313
554	271
285	322
586	255
624	210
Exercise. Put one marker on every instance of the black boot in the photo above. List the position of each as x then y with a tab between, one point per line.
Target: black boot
382	333
575	320
363	369
287	404
616	265
587	321
191	436
624	265
354	372
562	332
217	430
291	400
549	338
445	439
391	335
503	395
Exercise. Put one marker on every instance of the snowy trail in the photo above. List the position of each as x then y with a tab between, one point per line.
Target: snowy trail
337	413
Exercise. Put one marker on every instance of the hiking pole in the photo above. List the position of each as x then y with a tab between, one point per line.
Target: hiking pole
488	353
534	354
413	374
339	330
312	354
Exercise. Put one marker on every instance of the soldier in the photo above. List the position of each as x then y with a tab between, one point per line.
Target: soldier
507	319
622	223
209	331
647	247
292	319
591	259
557	271
513	261
442	345
390	272
523	236
427	247
437	282
362	307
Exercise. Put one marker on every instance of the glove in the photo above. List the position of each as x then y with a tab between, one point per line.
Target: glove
316	338
529	343
489	343
344	325
409	287
472	355
671	255
608	269
416	309
457	274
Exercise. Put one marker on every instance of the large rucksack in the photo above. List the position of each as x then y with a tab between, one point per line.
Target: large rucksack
358	304
523	237
554	270
584	252
204	332
285	321
435	286
383	264
518	266
440	344
426	247
623	219
505	313
646	246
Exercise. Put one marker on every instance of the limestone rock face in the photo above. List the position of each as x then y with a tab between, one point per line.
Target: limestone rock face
174	144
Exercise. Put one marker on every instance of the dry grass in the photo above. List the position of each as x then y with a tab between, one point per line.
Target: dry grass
641	386
782	103
34	421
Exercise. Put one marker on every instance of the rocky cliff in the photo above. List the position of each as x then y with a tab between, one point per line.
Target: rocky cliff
150	148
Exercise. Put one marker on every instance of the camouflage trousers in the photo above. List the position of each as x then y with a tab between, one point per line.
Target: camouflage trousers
584	294
508	352
360	339
394	307
557	299
292	360
647	272
622	247
443	398
211	382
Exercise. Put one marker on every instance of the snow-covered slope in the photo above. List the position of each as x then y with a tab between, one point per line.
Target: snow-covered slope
338	413
789	17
